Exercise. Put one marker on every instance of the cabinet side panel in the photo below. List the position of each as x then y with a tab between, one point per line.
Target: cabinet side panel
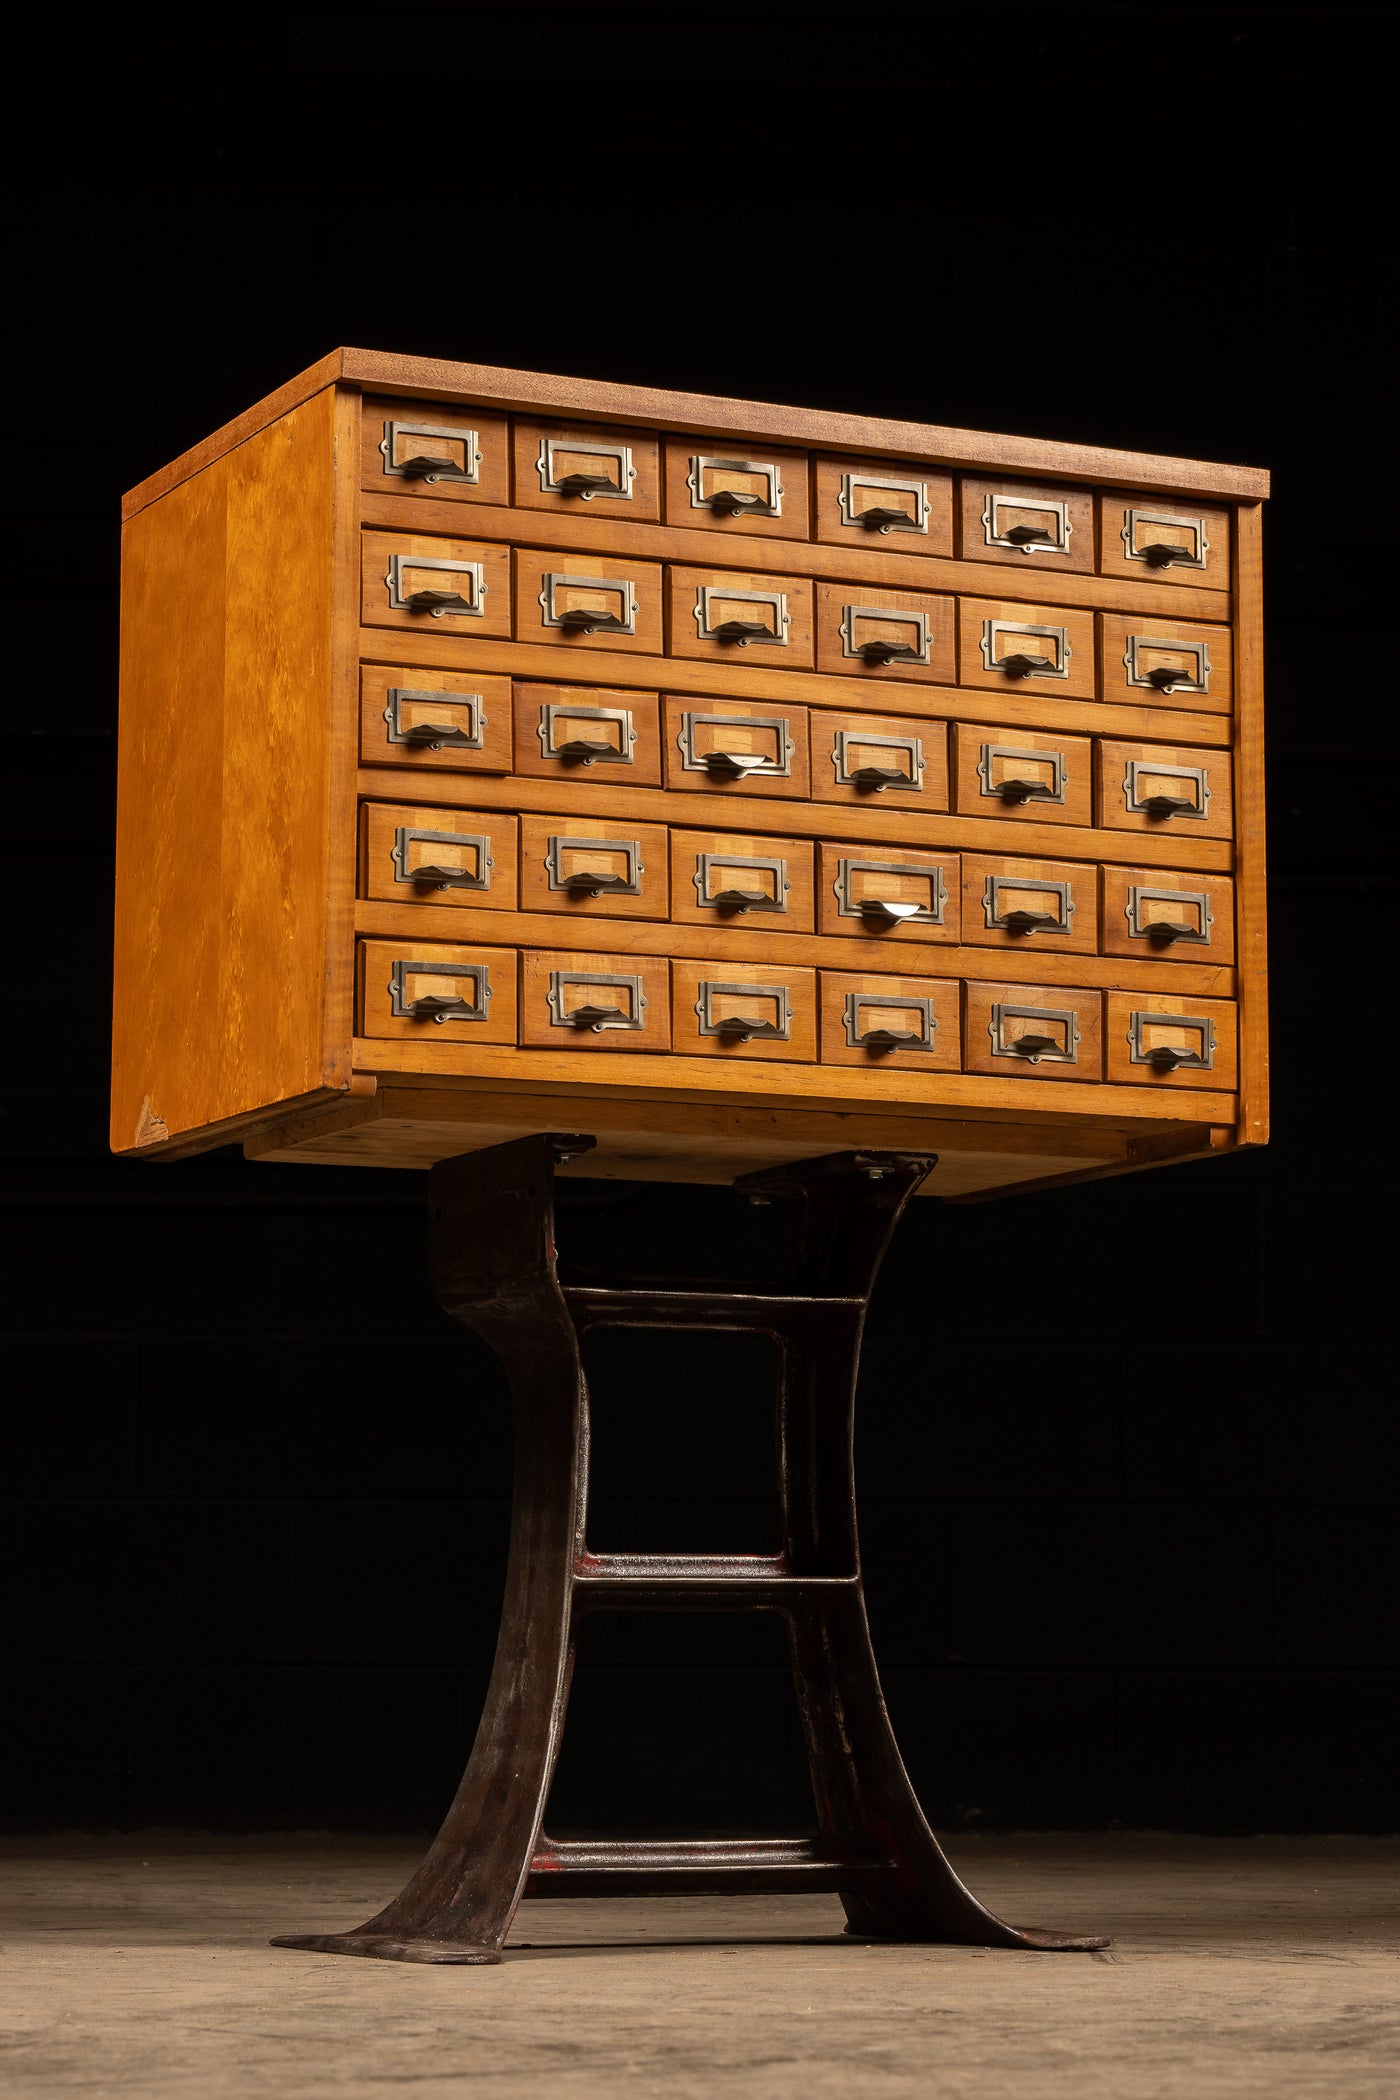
1250	873
221	921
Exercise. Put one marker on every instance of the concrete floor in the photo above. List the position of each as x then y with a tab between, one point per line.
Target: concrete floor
1268	1967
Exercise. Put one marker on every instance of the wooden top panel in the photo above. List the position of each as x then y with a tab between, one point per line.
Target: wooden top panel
659	408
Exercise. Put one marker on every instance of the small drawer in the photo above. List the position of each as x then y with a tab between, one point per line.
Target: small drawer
1033	1031
458	587
415	448
1032	524
438	856
718	879
724	1008
433	993
616	471
452	721
733	488
883	503
1162	663
1014	903
738	618
1020	774
589	601
886	761
593	867
893	893
737	748
588	733
594	1002
1175	918
1157	1040
875	1021
1026	648
1155	539
868	633
1161	787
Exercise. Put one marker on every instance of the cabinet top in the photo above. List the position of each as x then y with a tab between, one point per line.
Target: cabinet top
660	408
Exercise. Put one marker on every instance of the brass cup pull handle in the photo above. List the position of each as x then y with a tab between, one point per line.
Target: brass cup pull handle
727	501
580	620
1160	554
582	484
1022	663
594	1017
733	762
740	1028
742	630
434	734
1033	1045
1019	790
439	1006
878	777
442	877
889	1038
1166	1058
889	652
436	601
888	911
1167	805
584	884
1028	921
739	900
1165	676
881	516
1030	536
1163	931
425	466
586	748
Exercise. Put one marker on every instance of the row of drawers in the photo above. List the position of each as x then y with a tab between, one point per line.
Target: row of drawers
606	868
708	483
599	601
710	1007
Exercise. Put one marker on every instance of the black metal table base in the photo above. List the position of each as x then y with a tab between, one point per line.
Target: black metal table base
496	1271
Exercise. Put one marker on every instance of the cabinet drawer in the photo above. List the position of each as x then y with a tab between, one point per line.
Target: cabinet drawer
1020	774
729	615
880	761
590	733
594	1002
458	587
723	1008
438	856
1026	648
1157	1040
736	748
589	601
1164	663
1176	918
1157	540
891	893
416	448
719	879
876	503
1033	1031
593	867
883	1021
561	466
450	721
1030	903
867	633
1035	525
726	487
434	993
1162	787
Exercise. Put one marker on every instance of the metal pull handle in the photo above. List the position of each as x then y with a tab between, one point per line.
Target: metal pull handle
888	910
1018	790
1030	536
1165	676
594	1017
880	516
583	484
877	652
1167	805
888	1038
1163	931
424	466
443	877
434	734
741	1027
433	601
739	900
878	777
1033	1045
1160	554
438	1006
1027	921
735	762
585	748
741	630
582	621
1022	663
1166	1058
586	884
727	501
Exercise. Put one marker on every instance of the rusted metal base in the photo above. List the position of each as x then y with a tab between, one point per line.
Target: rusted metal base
496	1270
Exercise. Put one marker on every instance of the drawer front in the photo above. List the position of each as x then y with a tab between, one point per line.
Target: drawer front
1154	539
571	1001
593	867
430	992
1026	904
1156	1040
721	879
736	748
566	466
874	503
416	448
889	893
720	486
1033	1031
450	721
588	733
441	586
1021	774
887	1021
1165	788
867	633
1033	525
589	601
1164	663
1026	648
465	857
880	761
1171	917
730	616
722	1008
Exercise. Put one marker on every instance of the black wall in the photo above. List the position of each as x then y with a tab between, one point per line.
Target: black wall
1130	1525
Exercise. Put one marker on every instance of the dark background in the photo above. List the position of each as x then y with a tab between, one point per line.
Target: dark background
1130	1527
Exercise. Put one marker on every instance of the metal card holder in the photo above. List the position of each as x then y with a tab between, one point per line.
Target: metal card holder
1163	678
423	466
859	1038
581	620
882	517
733	898
891	912
1025	787
1026	922
1026	663
730	502
1165	806
878	652
744	763
1164	554
1167	932
438	603
875	779
591	1018
442	878
741	631
436	736
582	484
744	1028
438	1006
1035	1047
587	882
1027	539
1166	1058
586	751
